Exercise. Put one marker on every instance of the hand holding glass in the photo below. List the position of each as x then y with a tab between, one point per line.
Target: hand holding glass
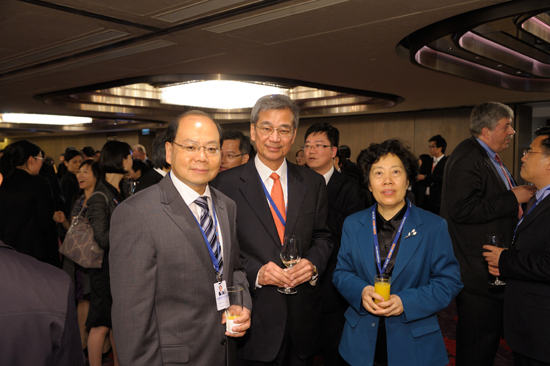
496	240
235	309
291	253
382	284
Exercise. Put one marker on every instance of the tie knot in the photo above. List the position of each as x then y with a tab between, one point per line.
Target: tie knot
202	203
497	158
274	176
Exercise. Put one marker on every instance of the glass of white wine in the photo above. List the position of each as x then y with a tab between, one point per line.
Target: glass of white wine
496	240
291	253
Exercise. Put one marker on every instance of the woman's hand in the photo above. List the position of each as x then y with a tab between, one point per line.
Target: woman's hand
59	217
392	307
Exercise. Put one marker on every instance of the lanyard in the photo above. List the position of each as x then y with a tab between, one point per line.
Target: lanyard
397	235
212	256
273	205
528	212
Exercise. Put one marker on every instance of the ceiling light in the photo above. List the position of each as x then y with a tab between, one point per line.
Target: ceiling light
43	119
219	94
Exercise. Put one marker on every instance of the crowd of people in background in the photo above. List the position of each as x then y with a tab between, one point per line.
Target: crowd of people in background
211	210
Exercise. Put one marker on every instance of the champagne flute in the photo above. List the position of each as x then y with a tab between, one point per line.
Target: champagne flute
291	253
496	240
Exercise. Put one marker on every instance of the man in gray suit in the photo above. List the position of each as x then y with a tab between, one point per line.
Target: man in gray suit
172	246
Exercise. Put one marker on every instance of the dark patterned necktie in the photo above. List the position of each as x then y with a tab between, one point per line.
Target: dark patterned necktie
207	225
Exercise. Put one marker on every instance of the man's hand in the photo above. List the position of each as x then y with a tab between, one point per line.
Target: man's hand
241	324
524	193
272	274
420	177
492	256
300	273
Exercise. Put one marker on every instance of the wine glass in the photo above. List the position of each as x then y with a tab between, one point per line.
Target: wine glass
291	253
496	240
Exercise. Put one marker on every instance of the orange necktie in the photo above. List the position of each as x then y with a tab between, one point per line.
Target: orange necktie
278	198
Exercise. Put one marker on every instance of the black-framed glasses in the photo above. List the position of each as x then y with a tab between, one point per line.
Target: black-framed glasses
231	156
192	148
267	130
528	151
315	147
432	147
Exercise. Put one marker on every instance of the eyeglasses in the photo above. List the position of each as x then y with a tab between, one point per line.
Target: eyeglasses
267	130
432	147
192	148
528	151
39	157
315	147
230	156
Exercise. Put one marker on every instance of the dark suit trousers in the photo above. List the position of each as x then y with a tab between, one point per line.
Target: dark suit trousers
286	356
478	329
520	360
333	326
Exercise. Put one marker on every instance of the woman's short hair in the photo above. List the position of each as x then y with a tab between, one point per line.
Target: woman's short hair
375	152
17	154
94	166
112	156
71	154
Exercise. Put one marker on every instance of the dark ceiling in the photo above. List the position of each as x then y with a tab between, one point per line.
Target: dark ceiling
85	45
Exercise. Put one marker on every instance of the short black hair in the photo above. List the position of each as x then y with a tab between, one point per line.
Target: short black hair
426	167
439	142
95	168
17	154
112	155
375	152
333	135
140	165
544	144
244	141
88	151
159	152
172	129
345	151
71	154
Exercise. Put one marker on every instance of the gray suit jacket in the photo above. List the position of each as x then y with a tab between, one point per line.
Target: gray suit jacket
164	306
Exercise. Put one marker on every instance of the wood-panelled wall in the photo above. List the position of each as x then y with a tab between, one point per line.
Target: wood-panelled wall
355	131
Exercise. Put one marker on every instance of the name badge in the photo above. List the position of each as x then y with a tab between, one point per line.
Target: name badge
222	298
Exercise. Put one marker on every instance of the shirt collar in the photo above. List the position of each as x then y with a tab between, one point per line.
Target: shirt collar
160	171
188	194
328	174
490	152
265	171
544	190
436	160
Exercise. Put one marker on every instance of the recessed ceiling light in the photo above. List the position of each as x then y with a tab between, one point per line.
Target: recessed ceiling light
43	119
218	94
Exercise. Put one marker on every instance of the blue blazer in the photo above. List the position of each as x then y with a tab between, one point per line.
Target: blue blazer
426	277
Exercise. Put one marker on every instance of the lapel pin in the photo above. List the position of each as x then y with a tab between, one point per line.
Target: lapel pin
412	233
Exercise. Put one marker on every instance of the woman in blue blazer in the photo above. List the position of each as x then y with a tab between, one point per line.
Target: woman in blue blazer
425	274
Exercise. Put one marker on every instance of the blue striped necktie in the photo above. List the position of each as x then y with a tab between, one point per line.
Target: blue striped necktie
207	225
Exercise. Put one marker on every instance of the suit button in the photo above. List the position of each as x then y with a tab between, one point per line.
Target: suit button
223	342
373	325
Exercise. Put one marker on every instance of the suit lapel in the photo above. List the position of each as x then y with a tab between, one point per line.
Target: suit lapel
537	210
364	238
490	166
296	194
176	208
408	243
253	193
223	224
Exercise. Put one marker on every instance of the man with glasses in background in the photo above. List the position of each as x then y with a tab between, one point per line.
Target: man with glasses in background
276	199
434	180
172	246
235	149
344	198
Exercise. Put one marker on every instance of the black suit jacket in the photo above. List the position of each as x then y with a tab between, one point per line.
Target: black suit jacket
38	314
476	202
345	197
148	179
434	180
260	244
527	295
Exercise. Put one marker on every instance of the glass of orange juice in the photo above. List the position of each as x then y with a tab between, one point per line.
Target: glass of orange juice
382	285
235	308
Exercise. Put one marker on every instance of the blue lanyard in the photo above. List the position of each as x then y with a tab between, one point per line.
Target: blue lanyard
375	239
212	256
273	205
527	213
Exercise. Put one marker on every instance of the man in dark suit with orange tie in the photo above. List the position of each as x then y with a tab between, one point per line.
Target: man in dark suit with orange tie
525	266
276	198
344	198
480	198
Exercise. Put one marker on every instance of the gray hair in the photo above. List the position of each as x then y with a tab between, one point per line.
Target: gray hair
275	101
487	115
